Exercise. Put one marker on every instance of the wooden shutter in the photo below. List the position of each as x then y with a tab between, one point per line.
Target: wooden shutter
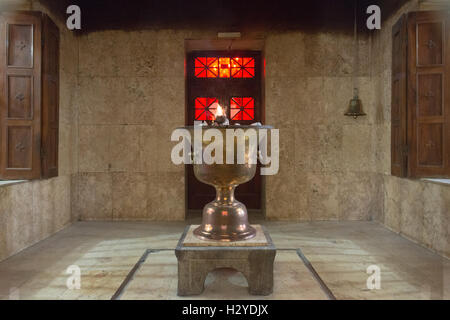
50	99
20	95
429	94
399	153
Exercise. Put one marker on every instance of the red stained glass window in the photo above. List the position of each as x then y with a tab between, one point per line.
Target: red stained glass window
206	67
224	67
242	108
205	108
242	67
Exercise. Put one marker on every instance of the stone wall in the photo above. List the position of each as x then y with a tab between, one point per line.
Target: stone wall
328	161
31	211
132	95
416	209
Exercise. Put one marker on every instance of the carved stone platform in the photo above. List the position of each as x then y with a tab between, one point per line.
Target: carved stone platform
254	258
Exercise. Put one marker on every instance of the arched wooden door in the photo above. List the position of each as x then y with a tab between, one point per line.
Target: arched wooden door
233	79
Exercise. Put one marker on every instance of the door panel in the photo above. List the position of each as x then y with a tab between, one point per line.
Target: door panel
19	97
429	43
430	98
19	139
20	45
430	146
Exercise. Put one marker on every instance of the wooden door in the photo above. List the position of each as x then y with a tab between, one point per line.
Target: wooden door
20	95
399	154
429	94
50	99
233	79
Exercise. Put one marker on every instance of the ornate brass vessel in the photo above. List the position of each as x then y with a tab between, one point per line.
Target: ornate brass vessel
225	218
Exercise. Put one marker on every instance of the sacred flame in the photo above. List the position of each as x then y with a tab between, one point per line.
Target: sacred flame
219	111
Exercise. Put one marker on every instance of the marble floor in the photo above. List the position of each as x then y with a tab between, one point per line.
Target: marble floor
135	260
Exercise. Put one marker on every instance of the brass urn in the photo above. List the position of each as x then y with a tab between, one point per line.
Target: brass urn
225	218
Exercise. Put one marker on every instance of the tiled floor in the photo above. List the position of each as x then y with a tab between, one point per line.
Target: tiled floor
340	252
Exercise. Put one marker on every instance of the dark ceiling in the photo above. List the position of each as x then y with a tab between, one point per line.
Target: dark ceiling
227	15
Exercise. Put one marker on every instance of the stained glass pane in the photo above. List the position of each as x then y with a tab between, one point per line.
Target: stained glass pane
200	62
242	67
200	67
205	108
200	73
213	67
248	103
236	72
248	114
248	73
242	108
234	114
206	67
224	64
249	62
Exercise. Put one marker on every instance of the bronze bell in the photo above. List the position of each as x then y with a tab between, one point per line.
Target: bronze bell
355	106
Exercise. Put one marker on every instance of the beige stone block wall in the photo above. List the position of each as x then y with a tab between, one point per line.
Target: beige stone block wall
132	95
32	211
420	211
416	209
327	161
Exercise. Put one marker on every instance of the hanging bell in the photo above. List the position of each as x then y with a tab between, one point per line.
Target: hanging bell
355	106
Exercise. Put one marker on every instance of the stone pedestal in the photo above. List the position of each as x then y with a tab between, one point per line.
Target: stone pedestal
254	258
